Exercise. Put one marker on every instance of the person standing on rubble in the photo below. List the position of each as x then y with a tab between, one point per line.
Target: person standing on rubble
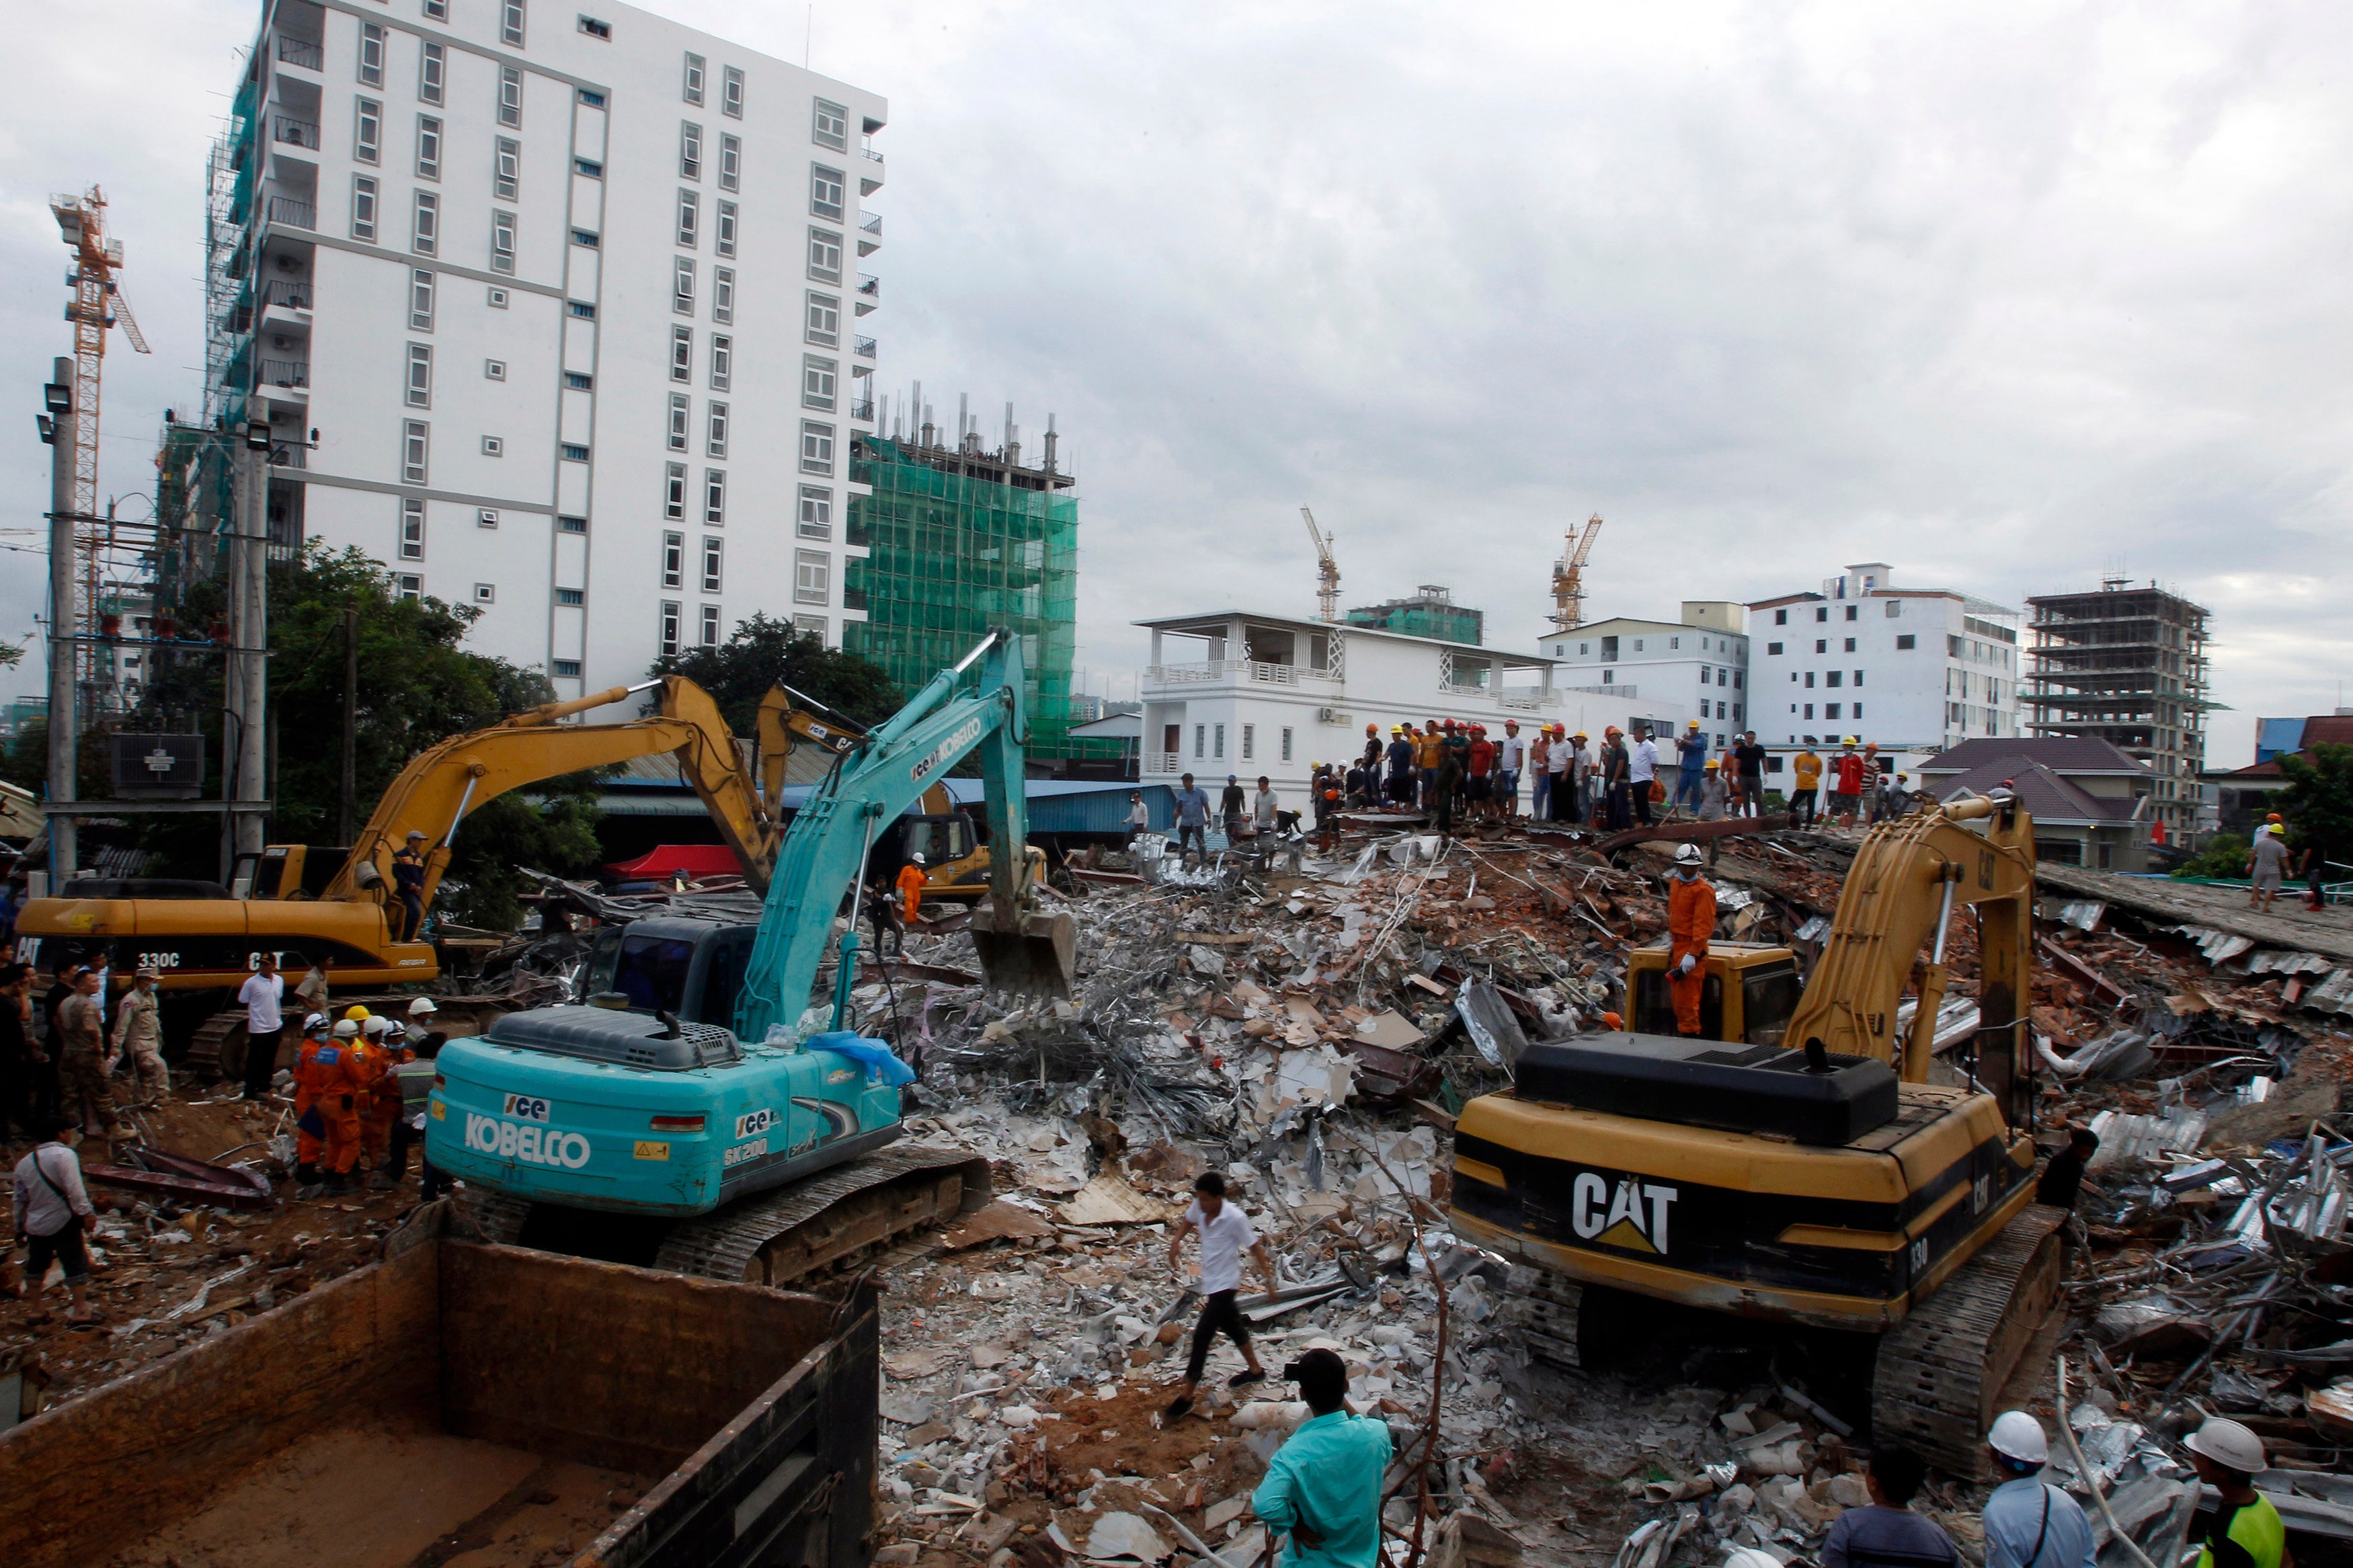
1139	818
1540	775
1806	776
1642	772
1888	1534
1568	765
1233	807
1192	818
2247	1530
1511	758
1323	1485
1265	809
17	1052
1428	751
1372	757
1846	795
1479	774
2030	1523
263	993
139	1034
1401	790
1690	764
1615	787
1225	1235
2062	1176
53	1211
1748	758
1712	795
2266	867
1691	921
80	1045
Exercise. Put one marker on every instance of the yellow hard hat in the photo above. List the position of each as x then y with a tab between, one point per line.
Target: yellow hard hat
1690	723
356	1013
1581	735
1714	764
1847	741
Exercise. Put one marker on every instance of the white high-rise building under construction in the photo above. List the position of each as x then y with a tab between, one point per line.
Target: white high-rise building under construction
570	299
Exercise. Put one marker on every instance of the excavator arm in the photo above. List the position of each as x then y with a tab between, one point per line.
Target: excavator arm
442	785
1910	878
824	854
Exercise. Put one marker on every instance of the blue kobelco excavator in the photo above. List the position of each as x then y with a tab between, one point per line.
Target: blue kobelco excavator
749	1153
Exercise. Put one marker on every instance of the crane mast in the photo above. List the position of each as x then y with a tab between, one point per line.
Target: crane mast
1568	575
1327	587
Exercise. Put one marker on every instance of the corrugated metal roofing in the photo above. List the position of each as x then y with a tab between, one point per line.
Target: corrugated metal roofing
2060	754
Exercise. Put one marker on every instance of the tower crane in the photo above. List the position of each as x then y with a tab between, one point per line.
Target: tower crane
98	304
1568	575
1327	588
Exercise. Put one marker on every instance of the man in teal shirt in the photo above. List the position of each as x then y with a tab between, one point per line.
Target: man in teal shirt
1324	1484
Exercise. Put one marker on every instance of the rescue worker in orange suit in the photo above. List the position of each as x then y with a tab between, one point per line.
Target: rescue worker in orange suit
371	1065
308	1145
387	1049
1691	921
913	880
336	1089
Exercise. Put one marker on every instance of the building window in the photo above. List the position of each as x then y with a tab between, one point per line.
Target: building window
429	147
1773	647
731	93
510	23
487	517
572	452
581	236
412	587
723	241
710	625
429	74
826	192
824	319
681	354
506	180
589	168
1809	678
420	376
690	150
580	308
832	128
1905	639
668	641
678	421
1217	742
565	668
1780	617
812	577
722	294
1822	645
723	361
1858	677
502	241
497	301
420	299
1810	711
731	162
413	451
363	207
817	512
371	54
1829	709
713	561
674	494
1637	645
825	256
436	10
496	447
1850	611
571	525
715	444
367	131
1737	679
690	219
1198	731
495	368
1286	742
1833	678
510	97
811	626
412	528
1895	608
714	497
817	447
1850	645
596	30
425	233
819	382
1822	612
1250	741
681	286
673	561
693	89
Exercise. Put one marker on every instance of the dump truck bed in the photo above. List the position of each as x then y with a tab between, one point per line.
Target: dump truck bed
469	1405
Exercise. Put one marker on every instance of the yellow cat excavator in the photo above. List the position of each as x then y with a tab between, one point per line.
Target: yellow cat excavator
1799	1167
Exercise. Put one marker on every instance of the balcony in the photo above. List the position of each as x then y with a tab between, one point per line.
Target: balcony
1236	670
286	372
1605	690
864	410
1170	762
1527	701
292	214
871	223
289	456
294	133
863	348
870	284
301	52
286	294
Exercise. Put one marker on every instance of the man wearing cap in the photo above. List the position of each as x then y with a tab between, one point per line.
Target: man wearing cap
1615	785
1398	789
2266	866
1323	1485
2030	1523
1805	777
1428	751
1642	773
1511	759
1567	765
408	885
1691	763
2247	1532
1846	794
139	1034
1715	795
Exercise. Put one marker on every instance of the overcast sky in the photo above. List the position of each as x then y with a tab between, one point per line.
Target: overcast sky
2011	295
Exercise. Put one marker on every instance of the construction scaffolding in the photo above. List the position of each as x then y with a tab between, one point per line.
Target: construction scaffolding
1431	613
960	540
2127	664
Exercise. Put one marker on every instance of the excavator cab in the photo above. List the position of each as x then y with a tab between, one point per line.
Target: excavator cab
285	871
1747	995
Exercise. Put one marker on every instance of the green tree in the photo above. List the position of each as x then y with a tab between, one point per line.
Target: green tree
2318	800
417	686
765	652
2225	854
26	763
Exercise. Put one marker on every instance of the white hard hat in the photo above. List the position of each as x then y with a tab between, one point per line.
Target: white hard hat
315	1021
2229	1445
376	1023
422	1007
1751	1557
916	859
2019	1437
1688	855
346	1028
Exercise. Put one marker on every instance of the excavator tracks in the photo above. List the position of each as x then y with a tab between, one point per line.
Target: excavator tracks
1941	1370
217	1050
783	1238
1546	1309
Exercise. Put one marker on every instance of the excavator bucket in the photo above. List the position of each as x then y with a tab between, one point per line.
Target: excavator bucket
1029	955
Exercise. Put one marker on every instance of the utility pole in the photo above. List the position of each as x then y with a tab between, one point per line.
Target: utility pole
64	722
345	830
246	691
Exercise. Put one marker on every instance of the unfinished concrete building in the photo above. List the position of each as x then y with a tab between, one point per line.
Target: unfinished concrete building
2128	665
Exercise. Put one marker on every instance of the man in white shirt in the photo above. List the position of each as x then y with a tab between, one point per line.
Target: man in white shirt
52	1210
1510	758
1642	771
263	993
1226	1234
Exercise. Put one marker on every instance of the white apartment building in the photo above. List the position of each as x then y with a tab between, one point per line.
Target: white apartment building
1665	674
1915	670
1233	692
569	295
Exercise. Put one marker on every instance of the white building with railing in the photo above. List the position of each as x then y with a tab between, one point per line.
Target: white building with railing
1235	691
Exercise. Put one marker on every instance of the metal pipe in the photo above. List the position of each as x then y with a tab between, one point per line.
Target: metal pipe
845	973
1952	875
986	643
64	723
473	777
548	712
